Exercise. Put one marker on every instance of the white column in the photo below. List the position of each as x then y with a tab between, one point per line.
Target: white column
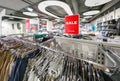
2	13
49	25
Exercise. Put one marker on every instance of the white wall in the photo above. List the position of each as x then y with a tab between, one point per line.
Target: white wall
7	28
118	13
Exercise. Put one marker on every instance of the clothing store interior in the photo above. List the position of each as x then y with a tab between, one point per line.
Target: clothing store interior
59	40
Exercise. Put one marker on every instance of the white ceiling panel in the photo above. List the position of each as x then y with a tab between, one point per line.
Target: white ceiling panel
92	12
9	12
91	3
35	1
13	4
1	9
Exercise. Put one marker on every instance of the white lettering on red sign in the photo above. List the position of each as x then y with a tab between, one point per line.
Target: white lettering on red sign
72	22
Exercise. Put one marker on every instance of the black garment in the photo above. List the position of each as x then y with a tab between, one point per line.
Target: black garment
20	65
116	76
14	69
118	26
47	38
2	36
104	76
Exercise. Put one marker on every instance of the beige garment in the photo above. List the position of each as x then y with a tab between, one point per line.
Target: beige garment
5	61
8	69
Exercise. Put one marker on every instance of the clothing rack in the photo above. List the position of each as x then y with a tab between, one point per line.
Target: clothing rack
106	45
43	45
84	41
114	54
111	59
48	64
99	66
88	41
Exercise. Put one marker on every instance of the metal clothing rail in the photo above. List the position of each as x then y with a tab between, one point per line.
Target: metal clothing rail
109	57
77	40
114	54
89	42
100	66
105	44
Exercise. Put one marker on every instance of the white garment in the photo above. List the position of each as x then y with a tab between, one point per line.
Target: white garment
33	77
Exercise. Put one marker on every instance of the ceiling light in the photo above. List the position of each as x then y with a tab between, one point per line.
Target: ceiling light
83	20
93	12
91	3
87	17
44	19
30	14
29	9
43	5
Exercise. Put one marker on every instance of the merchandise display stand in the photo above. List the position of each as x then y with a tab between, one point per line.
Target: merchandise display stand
83	49
56	52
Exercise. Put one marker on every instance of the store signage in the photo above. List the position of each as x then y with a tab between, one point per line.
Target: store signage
27	22
34	26
72	24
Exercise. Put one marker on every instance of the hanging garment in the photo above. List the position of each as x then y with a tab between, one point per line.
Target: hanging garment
33	77
50	66
30	64
105	76
19	67
5	60
71	71
116	75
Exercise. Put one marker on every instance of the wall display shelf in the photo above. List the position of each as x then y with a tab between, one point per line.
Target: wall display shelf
108	28
118	26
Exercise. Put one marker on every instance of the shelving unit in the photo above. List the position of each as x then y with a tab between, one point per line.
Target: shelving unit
107	28
118	26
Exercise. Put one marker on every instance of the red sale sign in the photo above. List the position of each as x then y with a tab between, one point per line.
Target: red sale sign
27	22
72	24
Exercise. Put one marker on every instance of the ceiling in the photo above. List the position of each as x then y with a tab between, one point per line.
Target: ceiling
16	7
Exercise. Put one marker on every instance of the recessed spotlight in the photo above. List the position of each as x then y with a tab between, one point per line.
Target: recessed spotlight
83	20
93	12
91	3
30	14
30	9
